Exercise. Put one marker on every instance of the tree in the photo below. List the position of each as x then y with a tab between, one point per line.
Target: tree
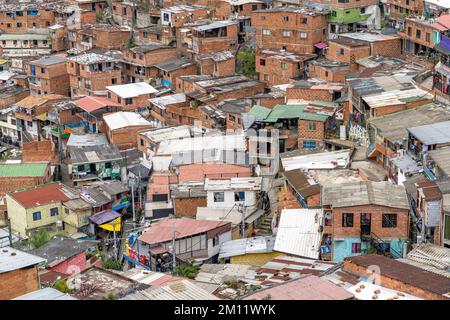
39	239
189	271
245	63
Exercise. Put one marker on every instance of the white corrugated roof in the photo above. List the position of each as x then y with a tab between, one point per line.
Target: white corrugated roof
246	246
298	232
322	160
45	294
219	142
131	90
119	120
12	259
248	183
176	290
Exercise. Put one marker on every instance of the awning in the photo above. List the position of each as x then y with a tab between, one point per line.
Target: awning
104	217
42	117
320	45
442	69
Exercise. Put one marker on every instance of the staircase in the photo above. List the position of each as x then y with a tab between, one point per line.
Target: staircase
265	228
380	245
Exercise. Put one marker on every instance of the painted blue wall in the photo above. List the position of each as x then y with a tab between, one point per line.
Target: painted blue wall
343	249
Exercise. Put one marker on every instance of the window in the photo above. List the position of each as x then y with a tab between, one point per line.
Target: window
108	165
356	247
142	142
36	216
283	66
54	212
286	33
362	10
166	17
254	7
326	73
128	101
427	37
305	21
343	1
239	196
262	62
285	18
309	145
418	34
66	211
311	126
124	11
389	220
407	2
341	51
8	25
219	196
266	77
30	123
347	220
215	240
303	35
42	70
113	81
19	24
333	13
266	32
409	31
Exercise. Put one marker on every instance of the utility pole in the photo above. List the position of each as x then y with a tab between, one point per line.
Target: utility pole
174	261
242	210
132	201
114	245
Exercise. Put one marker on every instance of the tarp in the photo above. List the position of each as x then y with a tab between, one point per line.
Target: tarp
104	216
320	45
112	226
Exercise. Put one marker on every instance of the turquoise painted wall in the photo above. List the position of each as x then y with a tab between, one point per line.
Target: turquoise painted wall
346	16
343	249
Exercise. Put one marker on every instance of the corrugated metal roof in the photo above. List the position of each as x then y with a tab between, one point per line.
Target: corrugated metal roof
131	90
320	160
32	169
361	193
247	183
12	259
246	246
176	290
118	120
298	232
306	288
45	294
434	133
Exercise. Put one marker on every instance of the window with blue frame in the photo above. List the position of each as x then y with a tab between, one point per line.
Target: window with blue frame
239	196
54	212
36	216
309	144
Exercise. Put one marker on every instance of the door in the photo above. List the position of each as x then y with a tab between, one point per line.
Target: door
365	224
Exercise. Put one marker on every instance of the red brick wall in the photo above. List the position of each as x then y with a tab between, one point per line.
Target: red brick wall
310	135
200	171
350	55
309	94
18	282
74	265
273	70
274	21
188	207
401	231
391	283
36	151
389	48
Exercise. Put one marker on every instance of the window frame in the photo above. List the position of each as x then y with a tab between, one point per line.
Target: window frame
346	221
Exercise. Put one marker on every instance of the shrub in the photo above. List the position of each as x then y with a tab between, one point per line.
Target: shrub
61	285
39	239
112	264
189	271
245	63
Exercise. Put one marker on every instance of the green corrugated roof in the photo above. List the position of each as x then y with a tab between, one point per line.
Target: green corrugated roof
33	169
260	112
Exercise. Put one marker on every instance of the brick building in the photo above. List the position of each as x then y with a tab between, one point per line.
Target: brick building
217	64
15	176
122	128
101	35
174	18
313	90
37	151
139	61
170	70
362	215
91	73
49	75
18	273
279	67
398	10
396	275
131	96
212	37
225	9
293	29
329	71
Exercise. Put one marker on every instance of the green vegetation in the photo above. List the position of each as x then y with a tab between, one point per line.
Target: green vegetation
143	7
110	297
245	63
100	16
61	285
39	239
111	263
189	271
6	155
233	284
130	43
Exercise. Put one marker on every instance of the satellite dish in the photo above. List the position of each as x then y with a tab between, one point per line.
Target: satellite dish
328	215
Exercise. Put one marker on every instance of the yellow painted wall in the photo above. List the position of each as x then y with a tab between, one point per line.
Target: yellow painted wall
17	215
236	232
255	259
